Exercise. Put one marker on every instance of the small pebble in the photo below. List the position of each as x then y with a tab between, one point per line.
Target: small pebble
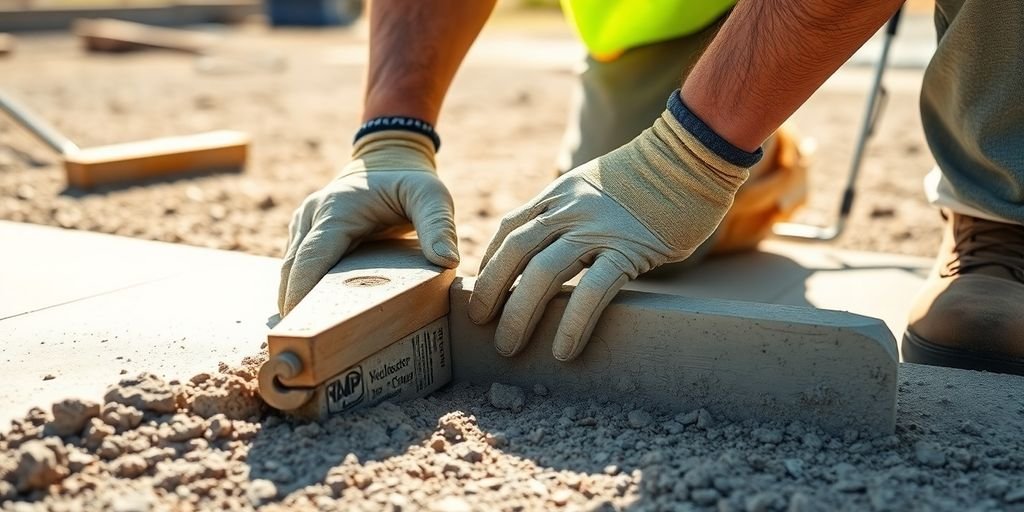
308	430
260	492
639	418
451	504
800	502
561	497
705	497
438	444
1014	496
536	435
768	436
704	419
24	192
812	441
496	439
689	418
927	454
70	416
762	502
795	467
129	466
503	396
36	466
849	486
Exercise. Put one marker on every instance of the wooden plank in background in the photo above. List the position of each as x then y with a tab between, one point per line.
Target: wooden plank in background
18	19
224	150
110	35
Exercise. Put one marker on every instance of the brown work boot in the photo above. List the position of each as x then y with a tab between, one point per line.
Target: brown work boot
970	313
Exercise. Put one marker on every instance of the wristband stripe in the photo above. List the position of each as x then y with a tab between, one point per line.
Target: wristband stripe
409	124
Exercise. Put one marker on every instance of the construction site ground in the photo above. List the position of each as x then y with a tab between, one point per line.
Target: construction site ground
79	316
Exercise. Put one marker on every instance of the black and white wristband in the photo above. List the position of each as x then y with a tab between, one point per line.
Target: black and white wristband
409	124
713	141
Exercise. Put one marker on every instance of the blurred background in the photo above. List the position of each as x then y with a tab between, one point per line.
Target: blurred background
289	74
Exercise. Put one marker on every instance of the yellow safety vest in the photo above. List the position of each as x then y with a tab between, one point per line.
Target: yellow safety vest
610	27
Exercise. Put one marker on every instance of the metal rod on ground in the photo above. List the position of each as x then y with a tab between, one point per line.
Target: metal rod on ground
875	104
37	126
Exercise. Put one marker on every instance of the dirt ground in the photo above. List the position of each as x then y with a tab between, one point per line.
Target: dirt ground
501	125
207	443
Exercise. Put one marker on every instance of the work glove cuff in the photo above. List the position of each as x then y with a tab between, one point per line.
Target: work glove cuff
711	145
392	150
672	182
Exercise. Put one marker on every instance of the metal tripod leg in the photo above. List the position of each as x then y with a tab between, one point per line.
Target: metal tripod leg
877	99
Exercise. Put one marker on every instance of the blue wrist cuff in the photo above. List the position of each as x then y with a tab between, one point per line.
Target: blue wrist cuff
409	124
708	137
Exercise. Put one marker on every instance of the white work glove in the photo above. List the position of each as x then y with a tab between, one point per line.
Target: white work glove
652	201
390	182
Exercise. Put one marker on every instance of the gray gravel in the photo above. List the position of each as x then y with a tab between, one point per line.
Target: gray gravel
456	450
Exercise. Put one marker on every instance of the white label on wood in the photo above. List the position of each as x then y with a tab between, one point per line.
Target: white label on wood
409	368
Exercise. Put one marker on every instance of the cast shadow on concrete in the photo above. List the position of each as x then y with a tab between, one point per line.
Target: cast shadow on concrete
754	277
763	277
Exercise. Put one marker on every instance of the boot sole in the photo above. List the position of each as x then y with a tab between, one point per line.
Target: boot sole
918	350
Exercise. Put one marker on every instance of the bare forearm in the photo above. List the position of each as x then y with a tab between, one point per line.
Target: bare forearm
415	49
770	56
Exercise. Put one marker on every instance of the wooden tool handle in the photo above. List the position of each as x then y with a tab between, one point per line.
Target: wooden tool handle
110	35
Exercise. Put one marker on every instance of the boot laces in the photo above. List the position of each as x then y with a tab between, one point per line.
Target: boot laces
984	243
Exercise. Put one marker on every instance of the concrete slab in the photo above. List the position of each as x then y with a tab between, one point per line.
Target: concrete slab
45	267
82	307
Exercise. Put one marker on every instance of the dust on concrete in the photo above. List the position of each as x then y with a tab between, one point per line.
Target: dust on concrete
503	448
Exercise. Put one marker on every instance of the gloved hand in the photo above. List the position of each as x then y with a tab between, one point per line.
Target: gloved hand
390	182
652	201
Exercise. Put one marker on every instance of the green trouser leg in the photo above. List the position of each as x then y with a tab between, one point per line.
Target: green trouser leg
972	107
615	101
